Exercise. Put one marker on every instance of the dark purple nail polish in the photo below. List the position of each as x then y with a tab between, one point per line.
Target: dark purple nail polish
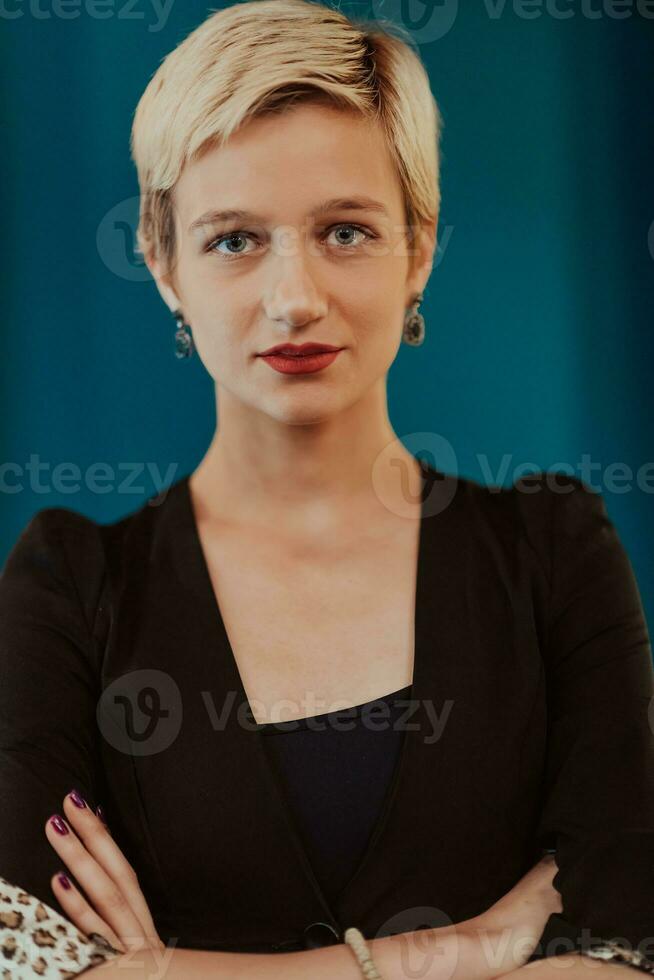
58	824
100	813
63	880
77	799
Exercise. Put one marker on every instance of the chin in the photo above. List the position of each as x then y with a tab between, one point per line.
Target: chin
303	409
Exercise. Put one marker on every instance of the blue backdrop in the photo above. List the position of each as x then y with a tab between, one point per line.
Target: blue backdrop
539	317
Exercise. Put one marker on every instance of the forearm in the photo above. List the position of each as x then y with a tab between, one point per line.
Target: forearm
571	966
432	954
327	963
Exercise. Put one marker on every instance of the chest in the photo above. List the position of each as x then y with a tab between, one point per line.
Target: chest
338	620
313	629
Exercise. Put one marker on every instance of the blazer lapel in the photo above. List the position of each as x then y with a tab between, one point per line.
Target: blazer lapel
231	864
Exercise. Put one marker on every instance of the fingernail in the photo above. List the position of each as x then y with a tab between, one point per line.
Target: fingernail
77	799
100	813
63	880
58	824
101	941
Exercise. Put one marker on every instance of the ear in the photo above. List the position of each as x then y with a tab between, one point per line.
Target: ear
165	282
422	259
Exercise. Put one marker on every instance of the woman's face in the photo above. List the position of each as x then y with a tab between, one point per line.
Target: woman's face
293	270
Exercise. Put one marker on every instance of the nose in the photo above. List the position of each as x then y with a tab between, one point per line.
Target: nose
294	298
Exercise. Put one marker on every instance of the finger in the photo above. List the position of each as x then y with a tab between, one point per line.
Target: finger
99	812
105	894
80	913
99	842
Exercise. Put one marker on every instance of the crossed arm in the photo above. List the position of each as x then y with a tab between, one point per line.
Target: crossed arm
396	958
494	944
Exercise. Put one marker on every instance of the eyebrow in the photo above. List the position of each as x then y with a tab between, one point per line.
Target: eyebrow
333	204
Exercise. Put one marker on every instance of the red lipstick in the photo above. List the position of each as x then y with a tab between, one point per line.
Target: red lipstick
300	358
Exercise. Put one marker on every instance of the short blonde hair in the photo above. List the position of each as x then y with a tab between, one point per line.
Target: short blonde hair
259	56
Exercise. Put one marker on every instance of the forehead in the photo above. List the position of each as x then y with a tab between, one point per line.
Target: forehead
279	166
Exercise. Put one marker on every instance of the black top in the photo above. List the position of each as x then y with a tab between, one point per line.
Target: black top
336	769
529	726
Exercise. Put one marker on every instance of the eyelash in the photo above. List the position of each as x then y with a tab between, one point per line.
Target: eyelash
210	248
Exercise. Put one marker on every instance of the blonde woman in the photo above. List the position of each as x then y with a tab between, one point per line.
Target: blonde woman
189	668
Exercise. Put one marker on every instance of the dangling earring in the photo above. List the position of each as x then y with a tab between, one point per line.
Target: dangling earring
414	324
184	346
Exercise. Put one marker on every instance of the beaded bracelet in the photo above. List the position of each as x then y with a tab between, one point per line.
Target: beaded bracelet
614	953
359	947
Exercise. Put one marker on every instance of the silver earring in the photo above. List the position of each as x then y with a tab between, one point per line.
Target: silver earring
414	324
184	345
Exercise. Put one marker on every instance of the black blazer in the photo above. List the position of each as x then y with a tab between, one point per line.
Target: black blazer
116	677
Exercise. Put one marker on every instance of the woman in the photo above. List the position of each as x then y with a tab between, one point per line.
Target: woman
288	165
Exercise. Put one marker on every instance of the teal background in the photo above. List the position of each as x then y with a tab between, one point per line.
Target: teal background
539	312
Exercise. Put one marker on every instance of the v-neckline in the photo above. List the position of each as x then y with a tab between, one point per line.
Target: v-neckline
209	599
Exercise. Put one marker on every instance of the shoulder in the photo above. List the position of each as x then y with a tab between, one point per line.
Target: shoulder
557	497
67	534
49	540
535	511
562	516
63	550
535	497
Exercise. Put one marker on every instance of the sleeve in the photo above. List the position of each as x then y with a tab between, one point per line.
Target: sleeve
598	804
48	731
36	941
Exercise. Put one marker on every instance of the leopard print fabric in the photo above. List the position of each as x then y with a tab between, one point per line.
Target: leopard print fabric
36	941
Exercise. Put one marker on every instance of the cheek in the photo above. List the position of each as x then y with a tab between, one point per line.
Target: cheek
378	326
216	343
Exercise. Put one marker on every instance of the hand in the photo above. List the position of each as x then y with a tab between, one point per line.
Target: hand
531	900
497	942
119	913
524	910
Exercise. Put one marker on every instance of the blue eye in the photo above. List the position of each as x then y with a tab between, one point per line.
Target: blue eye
356	228
233	237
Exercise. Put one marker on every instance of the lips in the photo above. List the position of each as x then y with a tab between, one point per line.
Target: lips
299	350
306	362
